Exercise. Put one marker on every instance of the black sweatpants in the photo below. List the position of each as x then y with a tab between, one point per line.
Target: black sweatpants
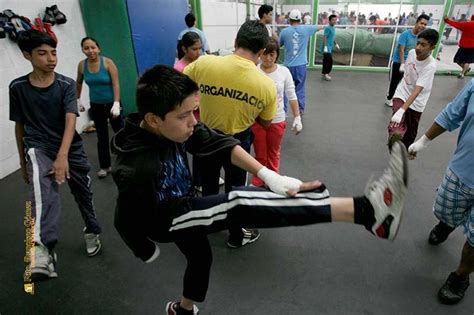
327	63
252	207
395	78
100	113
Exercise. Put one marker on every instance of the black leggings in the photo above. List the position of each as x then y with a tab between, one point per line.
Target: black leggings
100	113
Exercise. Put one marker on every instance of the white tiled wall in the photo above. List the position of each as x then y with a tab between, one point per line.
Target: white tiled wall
13	65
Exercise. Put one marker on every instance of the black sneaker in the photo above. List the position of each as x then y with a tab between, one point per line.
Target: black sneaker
250	236
453	289
172	308
439	233
58	15
49	16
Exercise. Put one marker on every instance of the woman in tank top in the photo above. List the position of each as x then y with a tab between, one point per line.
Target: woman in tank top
101	76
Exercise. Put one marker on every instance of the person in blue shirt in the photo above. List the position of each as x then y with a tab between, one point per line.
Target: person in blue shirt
190	21
329	42
406	42
455	197
295	40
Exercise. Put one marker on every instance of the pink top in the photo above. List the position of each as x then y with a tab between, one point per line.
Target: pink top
180	65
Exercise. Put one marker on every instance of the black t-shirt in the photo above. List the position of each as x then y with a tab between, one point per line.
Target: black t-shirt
43	111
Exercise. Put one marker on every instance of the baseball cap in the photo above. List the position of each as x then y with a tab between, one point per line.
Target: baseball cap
295	15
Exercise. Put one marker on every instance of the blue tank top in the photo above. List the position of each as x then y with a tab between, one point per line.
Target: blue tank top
100	83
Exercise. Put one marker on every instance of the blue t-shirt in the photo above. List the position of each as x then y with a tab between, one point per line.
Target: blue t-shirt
460	112
175	179
43	112
330	33
407	39
295	39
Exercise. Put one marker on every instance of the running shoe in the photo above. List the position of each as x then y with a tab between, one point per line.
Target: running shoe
387	194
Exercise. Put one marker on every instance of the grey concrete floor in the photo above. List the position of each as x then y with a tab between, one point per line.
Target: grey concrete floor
321	269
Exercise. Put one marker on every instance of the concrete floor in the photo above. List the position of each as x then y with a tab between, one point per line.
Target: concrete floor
320	269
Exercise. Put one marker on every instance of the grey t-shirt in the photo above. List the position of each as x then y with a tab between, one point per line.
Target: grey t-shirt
43	111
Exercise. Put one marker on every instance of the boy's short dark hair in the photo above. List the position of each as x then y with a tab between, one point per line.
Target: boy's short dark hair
332	16
31	39
190	19
430	35
422	17
161	89
252	36
264	9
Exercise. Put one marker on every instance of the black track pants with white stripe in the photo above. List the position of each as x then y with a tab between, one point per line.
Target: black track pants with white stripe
195	217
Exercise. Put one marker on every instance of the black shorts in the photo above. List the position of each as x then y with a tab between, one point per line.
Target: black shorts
464	55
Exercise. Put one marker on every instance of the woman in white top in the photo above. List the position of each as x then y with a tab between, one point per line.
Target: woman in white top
267	141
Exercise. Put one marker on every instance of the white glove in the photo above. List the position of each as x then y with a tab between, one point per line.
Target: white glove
277	183
402	68
115	110
337	46
297	125
418	145
80	106
325	49
397	117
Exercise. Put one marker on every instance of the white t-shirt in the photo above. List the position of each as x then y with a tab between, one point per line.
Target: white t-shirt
419	73
284	84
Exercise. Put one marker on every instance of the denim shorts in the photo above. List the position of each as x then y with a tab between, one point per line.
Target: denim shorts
453	204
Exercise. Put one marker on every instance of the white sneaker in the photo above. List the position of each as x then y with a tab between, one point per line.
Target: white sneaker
389	103
42	265
103	172
326	77
387	194
221	181
93	244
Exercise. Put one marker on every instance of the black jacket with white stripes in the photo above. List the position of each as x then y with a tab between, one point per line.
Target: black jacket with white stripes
140	216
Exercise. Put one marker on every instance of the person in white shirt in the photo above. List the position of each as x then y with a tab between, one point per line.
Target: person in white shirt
414	90
267	141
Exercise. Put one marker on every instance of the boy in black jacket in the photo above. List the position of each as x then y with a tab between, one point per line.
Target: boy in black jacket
156	203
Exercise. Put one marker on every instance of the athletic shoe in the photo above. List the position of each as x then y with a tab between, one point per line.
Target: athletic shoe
461	75
250	236
389	103
387	194
102	173
326	77
453	289
439	233
172	309
93	244
43	267
58	15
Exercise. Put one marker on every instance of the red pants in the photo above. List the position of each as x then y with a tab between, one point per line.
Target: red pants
267	147
408	127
